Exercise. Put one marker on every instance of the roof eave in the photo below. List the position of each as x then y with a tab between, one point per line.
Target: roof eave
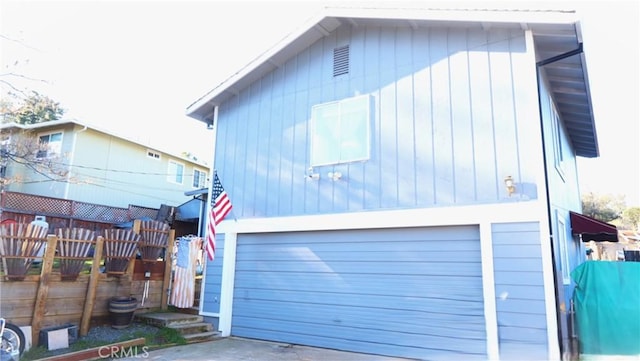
330	18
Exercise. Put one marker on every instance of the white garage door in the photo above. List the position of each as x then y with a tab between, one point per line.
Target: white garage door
413	292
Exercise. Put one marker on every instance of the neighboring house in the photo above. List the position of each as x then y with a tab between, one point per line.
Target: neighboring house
401	182
95	166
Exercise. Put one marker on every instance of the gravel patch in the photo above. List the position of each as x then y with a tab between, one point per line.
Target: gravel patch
109	334
104	334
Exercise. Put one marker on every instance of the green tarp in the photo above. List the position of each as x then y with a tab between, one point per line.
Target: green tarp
607	305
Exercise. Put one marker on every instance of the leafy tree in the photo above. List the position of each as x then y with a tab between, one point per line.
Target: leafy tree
631	217
605	207
35	108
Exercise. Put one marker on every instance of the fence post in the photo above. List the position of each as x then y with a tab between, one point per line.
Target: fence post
43	289
166	282
90	300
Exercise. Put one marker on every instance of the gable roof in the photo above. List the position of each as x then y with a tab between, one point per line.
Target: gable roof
43	126
555	33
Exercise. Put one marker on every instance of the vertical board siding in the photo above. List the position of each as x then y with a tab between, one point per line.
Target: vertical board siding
444	121
563	198
520	302
213	280
401	292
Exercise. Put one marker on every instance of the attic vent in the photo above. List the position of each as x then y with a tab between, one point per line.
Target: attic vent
341	60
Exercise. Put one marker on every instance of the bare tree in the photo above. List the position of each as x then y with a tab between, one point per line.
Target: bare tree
20	147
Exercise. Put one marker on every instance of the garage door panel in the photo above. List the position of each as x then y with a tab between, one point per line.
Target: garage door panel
304	246
399	292
382	348
368	255
388	267
336	312
465	305
428	336
427	324
340	283
407	235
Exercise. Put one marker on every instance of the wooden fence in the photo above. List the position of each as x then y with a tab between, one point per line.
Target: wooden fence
47	299
68	213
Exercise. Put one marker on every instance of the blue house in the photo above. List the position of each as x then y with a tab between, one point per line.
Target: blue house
402	182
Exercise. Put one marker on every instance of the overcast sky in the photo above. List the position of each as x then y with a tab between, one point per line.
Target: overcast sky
134	67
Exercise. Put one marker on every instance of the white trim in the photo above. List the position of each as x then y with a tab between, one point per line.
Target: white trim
210	314
489	292
482	215
228	284
549	291
439	216
561	239
207	207
545	242
203	282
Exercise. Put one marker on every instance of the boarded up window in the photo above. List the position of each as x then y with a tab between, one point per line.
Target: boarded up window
340	131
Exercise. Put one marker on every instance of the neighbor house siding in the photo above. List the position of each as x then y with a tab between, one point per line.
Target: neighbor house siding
105	169
520	301
117	172
448	124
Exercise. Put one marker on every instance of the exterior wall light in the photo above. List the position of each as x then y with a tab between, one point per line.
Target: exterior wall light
334	176
511	187
311	175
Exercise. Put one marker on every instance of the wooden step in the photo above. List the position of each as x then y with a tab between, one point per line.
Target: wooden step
202	336
166	319
192	328
190	311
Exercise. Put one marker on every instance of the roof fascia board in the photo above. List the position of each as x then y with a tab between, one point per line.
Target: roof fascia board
312	23
585	74
462	15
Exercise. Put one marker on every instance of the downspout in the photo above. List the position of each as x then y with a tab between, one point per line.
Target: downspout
539	65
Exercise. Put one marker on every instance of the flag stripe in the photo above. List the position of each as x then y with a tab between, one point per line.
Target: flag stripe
220	207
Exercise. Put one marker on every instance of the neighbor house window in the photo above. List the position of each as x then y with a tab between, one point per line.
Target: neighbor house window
175	172
153	155
199	178
340	131
50	145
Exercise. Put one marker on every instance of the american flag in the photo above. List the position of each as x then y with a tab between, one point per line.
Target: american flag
220	207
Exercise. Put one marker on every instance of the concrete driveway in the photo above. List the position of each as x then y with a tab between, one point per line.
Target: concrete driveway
241	349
